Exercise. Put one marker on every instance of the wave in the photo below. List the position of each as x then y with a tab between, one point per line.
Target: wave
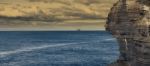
28	49
110	39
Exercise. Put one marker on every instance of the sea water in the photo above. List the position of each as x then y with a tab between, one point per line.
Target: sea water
57	48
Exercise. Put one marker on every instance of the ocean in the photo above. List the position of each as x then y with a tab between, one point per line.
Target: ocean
57	48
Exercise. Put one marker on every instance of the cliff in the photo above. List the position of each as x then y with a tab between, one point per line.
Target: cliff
129	22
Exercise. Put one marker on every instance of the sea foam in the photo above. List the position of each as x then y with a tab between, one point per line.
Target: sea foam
28	49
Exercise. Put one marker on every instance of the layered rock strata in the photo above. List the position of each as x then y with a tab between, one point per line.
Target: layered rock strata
129	22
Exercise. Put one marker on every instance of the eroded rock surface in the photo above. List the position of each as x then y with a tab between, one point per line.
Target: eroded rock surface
129	22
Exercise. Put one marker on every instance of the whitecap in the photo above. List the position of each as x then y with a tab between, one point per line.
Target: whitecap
110	39
28	49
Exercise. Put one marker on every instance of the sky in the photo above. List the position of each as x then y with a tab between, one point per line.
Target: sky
54	14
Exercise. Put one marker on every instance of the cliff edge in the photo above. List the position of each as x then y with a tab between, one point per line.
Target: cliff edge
129	22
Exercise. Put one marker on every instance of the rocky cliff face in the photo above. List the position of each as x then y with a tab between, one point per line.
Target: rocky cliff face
129	22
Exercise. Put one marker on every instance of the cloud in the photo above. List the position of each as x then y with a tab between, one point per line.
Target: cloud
54	14
50	10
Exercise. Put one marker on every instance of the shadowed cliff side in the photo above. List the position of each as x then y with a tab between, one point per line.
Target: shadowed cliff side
129	22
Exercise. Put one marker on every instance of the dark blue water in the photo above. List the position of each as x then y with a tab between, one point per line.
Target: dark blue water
57	48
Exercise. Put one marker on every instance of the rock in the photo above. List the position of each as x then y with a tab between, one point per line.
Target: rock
129	22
